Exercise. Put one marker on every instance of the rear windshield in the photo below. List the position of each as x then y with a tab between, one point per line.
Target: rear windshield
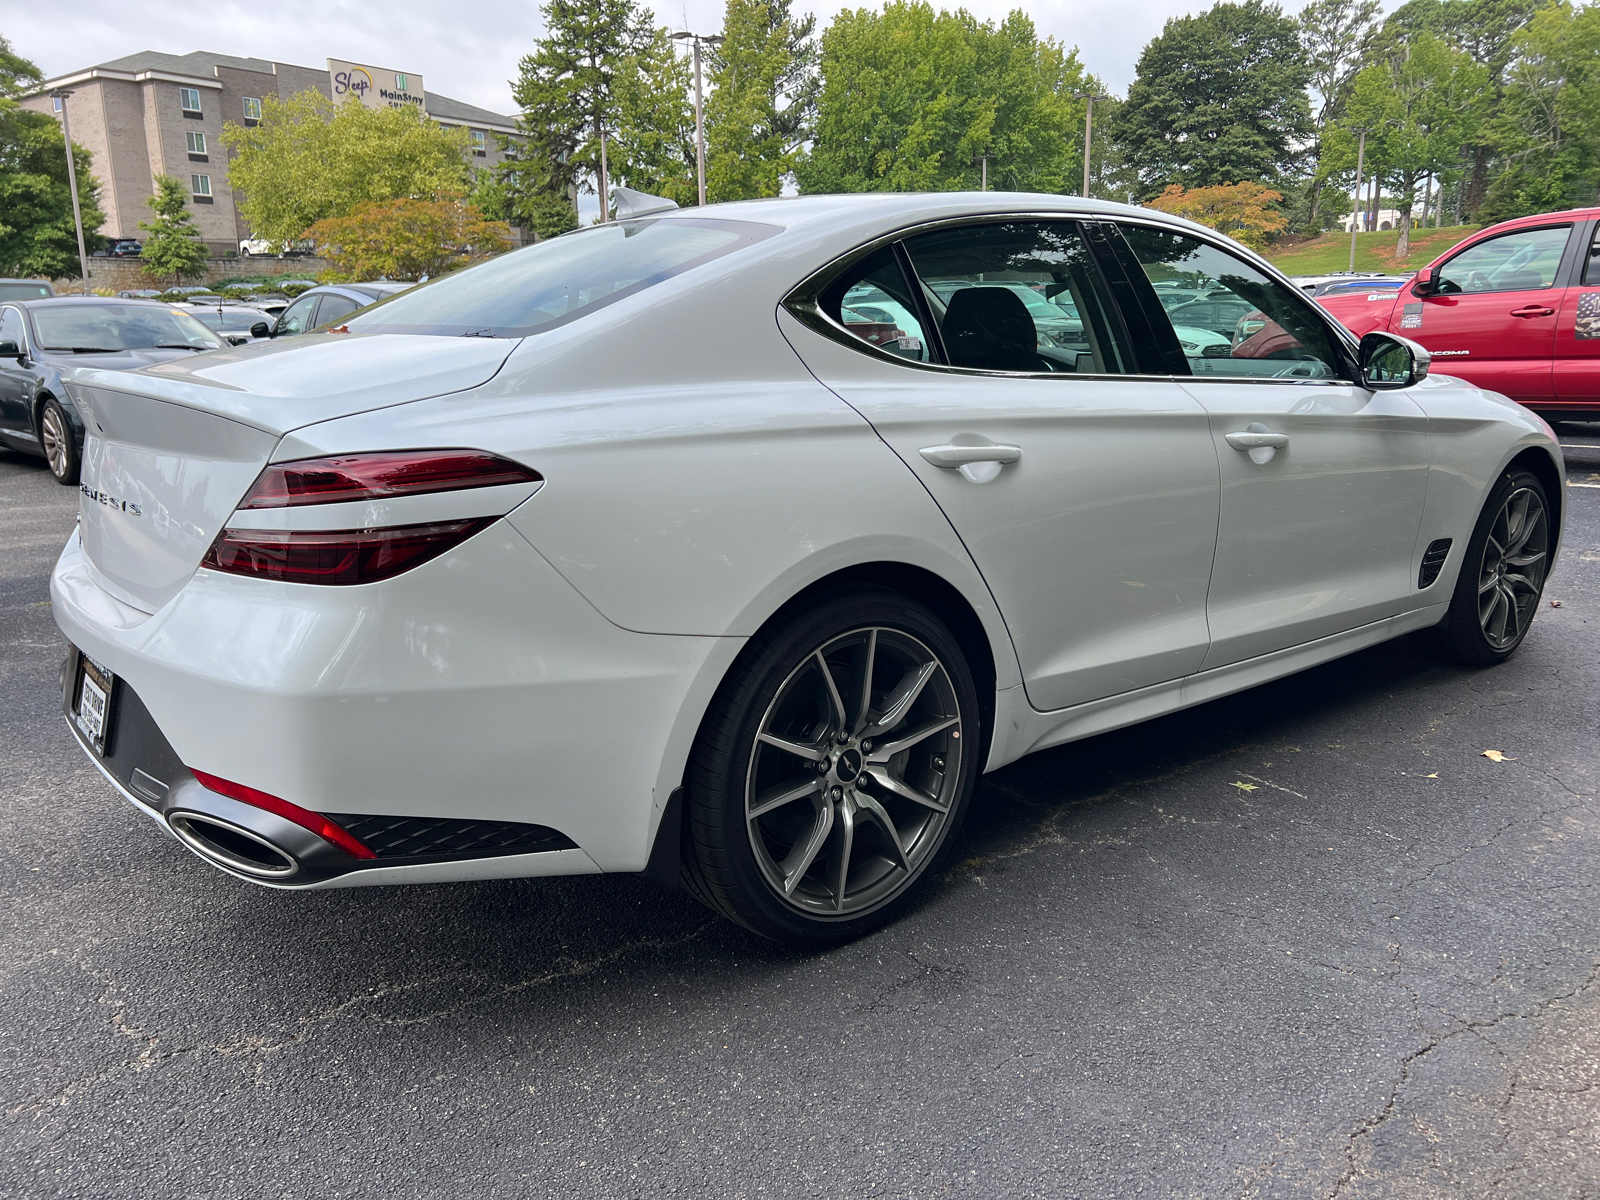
559	280
110	327
27	291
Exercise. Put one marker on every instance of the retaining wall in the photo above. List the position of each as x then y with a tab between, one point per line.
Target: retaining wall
121	273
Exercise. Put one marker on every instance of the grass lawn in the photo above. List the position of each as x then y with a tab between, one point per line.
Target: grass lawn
1374	251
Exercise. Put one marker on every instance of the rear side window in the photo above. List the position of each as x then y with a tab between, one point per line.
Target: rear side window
1019	296
1230	318
561	279
873	302
1514	262
26	291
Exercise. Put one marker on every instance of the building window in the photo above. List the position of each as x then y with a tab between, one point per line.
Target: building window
479	143
200	185
196	140
189	100
252	109
56	100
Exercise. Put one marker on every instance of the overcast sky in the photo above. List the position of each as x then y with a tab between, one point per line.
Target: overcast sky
470	51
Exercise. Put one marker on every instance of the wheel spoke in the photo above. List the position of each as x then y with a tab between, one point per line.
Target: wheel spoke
1513	623
775	798
869	807
864	709
883	753
841	719
886	780
1513	582
898	703
1518	526
801	749
1524	560
799	859
841	863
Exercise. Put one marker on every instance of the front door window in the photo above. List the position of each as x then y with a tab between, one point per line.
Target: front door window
1517	262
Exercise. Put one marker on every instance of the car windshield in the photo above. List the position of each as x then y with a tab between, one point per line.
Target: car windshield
27	291
559	280
110	327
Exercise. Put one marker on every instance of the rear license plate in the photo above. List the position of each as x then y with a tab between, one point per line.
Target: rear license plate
91	707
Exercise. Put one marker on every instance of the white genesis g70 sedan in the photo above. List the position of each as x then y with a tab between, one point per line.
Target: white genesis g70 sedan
732	544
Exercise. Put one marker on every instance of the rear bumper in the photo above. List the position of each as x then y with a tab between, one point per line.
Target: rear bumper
479	687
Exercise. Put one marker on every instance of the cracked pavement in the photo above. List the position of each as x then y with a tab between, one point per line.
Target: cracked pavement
1304	941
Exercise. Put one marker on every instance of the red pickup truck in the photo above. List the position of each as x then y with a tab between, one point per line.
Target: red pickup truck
1514	308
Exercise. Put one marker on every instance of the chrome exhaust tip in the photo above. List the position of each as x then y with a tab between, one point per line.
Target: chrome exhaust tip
232	846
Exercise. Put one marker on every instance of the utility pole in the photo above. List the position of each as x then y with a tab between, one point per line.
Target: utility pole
72	182
1088	133
696	40
983	162
1356	221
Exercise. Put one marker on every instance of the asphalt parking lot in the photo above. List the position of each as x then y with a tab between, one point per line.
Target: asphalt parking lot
1305	941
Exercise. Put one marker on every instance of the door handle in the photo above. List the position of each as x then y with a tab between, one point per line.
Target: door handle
1257	439
977	464
953	458
1533	310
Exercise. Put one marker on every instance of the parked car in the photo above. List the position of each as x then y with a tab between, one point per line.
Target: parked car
1513	308
262	247
271	303
1310	283
40	340
238	324
324	305
628	552
1335	287
26	289
138	293
124	247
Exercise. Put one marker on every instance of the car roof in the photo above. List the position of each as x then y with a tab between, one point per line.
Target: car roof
107	301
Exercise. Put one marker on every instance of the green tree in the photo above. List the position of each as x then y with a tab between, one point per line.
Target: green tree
566	90
1420	105
763	101
37	233
1219	98
173	250
1548	124
654	146
910	98
310	158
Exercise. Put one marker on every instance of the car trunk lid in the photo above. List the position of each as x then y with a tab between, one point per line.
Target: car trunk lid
170	450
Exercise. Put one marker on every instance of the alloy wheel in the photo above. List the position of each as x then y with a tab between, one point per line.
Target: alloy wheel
854	772
1511	577
57	448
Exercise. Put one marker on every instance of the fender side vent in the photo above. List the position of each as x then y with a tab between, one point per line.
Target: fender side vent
1433	562
443	838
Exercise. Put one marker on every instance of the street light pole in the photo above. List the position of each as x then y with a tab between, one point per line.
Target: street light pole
697	40
1088	133
72	182
1361	165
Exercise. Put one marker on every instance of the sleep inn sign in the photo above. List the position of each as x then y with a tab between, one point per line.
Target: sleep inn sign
377	87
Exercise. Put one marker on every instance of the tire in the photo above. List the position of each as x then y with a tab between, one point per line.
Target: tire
60	447
783	787
1502	576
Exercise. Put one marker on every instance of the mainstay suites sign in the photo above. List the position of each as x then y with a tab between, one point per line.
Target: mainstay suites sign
377	87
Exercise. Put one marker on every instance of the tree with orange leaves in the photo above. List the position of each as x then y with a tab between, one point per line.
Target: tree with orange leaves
407	239
1243	211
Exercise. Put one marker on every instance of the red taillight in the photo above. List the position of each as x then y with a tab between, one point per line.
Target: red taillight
303	817
340	556
377	476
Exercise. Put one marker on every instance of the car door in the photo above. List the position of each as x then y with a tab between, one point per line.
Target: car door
1085	491
1492	318
16	381
1323	481
1575	378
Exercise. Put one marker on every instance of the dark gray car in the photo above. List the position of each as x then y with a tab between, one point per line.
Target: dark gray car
39	339
324	305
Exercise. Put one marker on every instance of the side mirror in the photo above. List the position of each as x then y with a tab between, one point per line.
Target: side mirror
260	330
1427	284
1389	362
10	350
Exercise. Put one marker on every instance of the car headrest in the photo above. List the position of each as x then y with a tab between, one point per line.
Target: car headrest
990	328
